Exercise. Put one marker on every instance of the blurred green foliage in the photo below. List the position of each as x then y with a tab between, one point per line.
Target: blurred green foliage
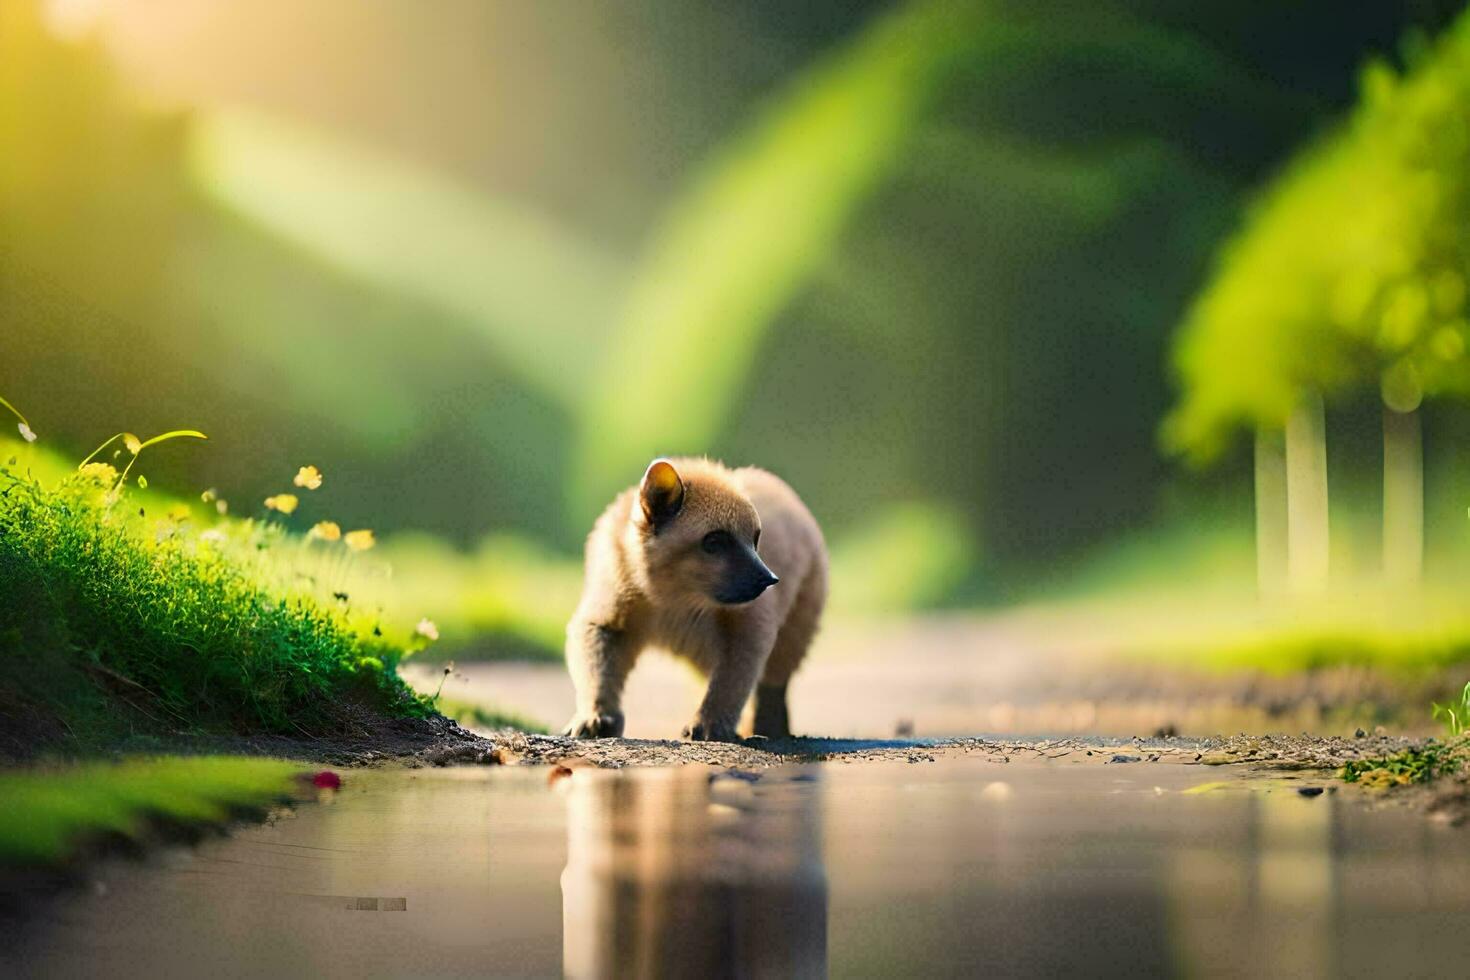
751	229
1351	270
912	556
477	716
922	259
51	812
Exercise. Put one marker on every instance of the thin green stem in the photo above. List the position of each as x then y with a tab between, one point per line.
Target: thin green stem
16	412
93	454
124	478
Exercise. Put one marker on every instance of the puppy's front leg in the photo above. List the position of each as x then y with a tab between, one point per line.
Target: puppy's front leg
730	684
599	659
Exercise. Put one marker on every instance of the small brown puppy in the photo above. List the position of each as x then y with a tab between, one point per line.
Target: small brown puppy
673	563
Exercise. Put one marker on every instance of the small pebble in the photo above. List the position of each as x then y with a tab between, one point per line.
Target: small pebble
1309	790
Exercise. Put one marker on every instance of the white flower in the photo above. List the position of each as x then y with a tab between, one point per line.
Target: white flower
213	535
26	433
427	629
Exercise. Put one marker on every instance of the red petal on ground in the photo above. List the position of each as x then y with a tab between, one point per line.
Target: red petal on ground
326	779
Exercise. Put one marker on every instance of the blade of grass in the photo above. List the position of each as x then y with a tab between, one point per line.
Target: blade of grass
174	434
15	411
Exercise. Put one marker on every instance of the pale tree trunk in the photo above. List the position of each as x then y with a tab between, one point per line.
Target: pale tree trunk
1306	497
1403	497
1270	511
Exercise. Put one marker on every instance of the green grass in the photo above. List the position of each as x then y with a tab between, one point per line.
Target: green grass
1406	651
115	621
1455	715
49	813
508	599
1408	636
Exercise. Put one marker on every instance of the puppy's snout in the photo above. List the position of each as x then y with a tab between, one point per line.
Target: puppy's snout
747	580
761	575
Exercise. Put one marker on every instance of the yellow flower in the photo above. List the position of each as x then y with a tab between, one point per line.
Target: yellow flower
427	629
134	444
326	531
101	472
209	495
309	477
359	540
283	502
178	512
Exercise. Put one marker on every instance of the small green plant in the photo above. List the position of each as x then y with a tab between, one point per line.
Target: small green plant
24	427
1413	765
1455	714
135	446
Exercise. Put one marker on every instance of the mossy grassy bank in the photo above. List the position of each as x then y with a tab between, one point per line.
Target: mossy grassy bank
116	623
51	813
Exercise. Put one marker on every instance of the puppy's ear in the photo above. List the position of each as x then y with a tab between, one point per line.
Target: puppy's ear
661	493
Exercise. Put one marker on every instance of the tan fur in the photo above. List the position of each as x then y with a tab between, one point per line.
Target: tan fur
653	585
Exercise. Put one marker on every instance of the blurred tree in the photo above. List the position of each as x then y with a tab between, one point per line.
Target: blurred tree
1350	272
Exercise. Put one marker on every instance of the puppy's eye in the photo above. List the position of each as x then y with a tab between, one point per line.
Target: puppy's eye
716	542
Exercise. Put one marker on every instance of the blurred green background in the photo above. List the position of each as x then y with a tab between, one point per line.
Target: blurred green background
479	261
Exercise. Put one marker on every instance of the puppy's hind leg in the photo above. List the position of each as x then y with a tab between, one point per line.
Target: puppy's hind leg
771	717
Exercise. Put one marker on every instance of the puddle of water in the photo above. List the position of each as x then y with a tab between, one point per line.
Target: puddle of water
962	867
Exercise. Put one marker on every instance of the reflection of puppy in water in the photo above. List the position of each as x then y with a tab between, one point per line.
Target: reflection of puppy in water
683	561
671	875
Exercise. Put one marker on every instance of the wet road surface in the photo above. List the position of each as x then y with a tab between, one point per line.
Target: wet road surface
961	867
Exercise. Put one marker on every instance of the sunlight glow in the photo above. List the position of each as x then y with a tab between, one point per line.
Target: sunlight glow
532	287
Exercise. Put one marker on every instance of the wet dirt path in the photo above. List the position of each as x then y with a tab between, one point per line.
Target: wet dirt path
1035	861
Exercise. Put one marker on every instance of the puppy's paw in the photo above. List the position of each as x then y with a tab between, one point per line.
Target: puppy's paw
605	725
707	730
